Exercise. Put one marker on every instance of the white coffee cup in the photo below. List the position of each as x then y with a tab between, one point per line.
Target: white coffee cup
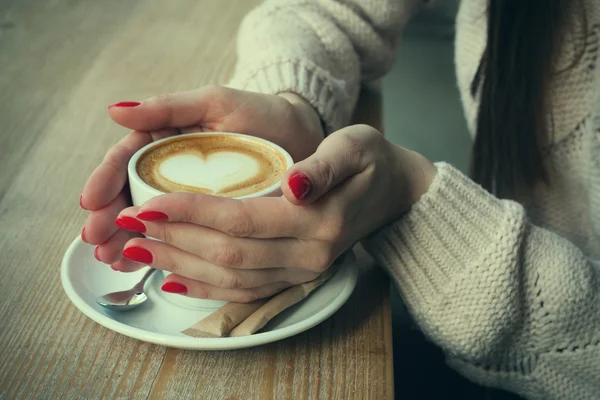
141	192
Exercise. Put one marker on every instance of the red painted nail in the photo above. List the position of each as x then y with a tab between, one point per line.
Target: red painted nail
125	104
138	254
96	256
81	202
174	287
83	235
152	216
299	185
130	224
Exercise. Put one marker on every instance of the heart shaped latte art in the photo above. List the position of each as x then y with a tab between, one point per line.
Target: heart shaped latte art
214	172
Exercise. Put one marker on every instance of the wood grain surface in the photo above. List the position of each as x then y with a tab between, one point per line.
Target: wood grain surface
61	63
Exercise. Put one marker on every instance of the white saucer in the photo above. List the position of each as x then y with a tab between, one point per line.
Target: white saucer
160	321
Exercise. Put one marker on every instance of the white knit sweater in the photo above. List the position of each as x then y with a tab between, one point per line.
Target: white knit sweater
511	295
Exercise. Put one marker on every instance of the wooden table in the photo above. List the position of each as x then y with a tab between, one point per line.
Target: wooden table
61	63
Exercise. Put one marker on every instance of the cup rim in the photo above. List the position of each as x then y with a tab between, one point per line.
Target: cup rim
133	174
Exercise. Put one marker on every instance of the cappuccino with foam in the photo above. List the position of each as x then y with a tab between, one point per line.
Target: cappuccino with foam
217	164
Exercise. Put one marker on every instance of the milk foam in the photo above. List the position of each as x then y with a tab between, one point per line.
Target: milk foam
214	172
228	166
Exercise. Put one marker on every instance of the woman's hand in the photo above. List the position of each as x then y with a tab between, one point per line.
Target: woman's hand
285	119
240	250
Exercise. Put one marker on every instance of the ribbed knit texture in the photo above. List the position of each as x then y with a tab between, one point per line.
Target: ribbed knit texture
514	306
512	295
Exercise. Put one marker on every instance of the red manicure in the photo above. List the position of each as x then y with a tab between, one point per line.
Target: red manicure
138	254
130	224
96	256
125	104
83	235
152	216
299	185
174	287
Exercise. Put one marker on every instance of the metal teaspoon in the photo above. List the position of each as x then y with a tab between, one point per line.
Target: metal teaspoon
127	299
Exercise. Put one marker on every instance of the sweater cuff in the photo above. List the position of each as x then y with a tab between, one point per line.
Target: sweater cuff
310	82
454	226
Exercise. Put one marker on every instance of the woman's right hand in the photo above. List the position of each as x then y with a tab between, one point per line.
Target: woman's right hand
285	119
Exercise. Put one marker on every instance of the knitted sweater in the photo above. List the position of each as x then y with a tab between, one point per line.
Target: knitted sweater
511	294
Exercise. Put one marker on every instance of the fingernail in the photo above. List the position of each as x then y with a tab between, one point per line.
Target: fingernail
125	104
112	266
130	224
174	287
81	202
152	216
138	254
299	185
83	235
96	256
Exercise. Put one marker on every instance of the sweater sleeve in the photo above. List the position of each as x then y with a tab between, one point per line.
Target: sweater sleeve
319	49
514	306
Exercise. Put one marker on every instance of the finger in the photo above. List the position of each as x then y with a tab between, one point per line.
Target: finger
340	156
266	217
109	178
163	256
125	265
173	110
126	220
110	251
100	223
227	251
203	290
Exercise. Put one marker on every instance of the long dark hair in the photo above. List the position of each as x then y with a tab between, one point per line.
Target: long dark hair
524	39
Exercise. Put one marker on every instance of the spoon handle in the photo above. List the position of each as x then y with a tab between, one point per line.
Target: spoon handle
142	282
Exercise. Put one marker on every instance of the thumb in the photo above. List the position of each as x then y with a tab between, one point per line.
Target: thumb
337	159
174	110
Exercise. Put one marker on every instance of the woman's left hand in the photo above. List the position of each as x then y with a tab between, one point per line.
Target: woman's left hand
242	250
